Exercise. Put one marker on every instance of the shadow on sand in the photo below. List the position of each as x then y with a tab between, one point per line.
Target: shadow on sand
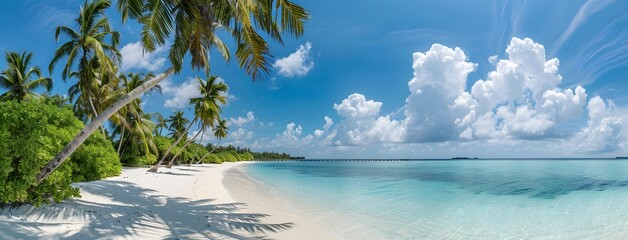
132	214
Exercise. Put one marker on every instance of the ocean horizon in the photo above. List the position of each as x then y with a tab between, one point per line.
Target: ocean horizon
455	199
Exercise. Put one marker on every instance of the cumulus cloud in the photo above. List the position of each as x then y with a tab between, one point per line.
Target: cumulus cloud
361	123
133	57
241	134
603	132
296	64
180	94
520	99
239	121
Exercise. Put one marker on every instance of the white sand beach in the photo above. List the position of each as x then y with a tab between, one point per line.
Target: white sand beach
180	203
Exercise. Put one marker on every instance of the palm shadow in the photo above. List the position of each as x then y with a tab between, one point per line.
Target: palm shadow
131	209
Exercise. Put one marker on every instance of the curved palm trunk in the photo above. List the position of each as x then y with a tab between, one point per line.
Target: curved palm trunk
201	141
163	157
182	148
99	121
120	141
207	154
91	105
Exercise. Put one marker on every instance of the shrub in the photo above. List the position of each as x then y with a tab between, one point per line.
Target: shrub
95	159
213	158
30	135
139	160
247	156
228	157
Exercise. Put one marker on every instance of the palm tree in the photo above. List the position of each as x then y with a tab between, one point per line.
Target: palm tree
207	106
17	77
193	26
220	132
177	123
206	109
88	43
160	123
134	115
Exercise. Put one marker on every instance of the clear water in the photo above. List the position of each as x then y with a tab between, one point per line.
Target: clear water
496	199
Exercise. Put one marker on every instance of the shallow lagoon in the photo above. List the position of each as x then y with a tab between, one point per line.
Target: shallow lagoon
466	199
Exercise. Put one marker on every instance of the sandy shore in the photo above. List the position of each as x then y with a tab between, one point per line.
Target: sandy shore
181	203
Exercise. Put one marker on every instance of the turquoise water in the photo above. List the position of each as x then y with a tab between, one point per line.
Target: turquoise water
487	199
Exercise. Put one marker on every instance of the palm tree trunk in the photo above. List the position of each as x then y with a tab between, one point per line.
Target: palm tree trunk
99	121
182	148
201	141
120	141
163	157
207	154
91	105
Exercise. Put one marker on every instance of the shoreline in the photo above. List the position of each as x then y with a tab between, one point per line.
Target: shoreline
194	202
261	198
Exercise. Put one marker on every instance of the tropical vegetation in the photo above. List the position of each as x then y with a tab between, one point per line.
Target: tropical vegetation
49	141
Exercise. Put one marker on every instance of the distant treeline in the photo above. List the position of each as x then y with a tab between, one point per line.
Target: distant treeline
259	156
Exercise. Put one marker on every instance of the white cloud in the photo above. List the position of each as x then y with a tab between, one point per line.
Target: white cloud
181	94
133	57
586	10
239	121
517	108
520	99
360	123
356	106
603	132
328	123
241	134
296	64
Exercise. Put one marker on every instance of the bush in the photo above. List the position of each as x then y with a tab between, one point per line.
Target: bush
163	143
228	157
247	156
139	160
95	159
31	134
213	158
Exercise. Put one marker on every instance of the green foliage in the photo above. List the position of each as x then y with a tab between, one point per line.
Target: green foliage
140	160
228	157
31	134
95	159
213	158
133	155
246	156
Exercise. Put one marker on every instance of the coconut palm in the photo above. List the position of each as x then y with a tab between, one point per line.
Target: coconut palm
177	123
17	78
193	25
135	118
88	45
160	123
207	107
220	131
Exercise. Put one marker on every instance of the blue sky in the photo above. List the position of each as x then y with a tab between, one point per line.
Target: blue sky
407	79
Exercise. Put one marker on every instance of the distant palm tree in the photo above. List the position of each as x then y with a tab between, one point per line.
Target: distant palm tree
207	108
177	123
220	131
191	26
160	123
88	46
17	78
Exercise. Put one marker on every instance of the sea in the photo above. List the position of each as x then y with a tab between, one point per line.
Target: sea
455	199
